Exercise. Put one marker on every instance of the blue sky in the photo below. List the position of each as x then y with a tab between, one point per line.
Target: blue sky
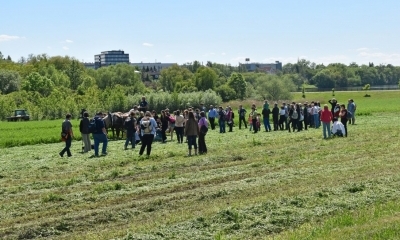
225	31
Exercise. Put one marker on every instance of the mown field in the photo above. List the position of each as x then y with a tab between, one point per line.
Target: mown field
276	185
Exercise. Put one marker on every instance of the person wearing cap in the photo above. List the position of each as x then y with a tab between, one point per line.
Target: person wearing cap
100	135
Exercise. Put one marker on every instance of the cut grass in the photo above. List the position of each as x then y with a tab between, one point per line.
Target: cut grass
249	186
377	221
239	190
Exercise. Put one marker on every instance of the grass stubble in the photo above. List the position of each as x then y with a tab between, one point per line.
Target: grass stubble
249	186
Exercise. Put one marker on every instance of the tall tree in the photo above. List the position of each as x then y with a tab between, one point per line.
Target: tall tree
236	81
205	78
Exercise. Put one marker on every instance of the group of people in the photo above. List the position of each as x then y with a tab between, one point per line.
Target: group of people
144	126
290	117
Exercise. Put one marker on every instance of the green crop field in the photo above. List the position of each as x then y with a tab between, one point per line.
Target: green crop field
269	185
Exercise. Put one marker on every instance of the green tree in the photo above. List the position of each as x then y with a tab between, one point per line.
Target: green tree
9	81
324	79
173	75
37	83
226	92
236	82
205	78
74	72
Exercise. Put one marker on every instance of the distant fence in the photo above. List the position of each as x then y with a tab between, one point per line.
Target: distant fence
359	88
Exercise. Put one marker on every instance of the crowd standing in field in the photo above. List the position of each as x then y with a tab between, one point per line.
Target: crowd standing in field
143	127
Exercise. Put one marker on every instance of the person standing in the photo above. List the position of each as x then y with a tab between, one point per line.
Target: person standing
305	116
253	115
100	135
275	116
266	112
84	129
164	126
343	117
316	110
242	117
203	128
192	131
326	119
66	129
228	118
221	120
148	131
333	103
351	107
179	125
130	126
212	114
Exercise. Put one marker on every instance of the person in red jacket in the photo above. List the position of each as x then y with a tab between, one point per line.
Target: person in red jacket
326	119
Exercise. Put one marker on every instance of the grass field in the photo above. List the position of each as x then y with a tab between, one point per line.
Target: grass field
276	185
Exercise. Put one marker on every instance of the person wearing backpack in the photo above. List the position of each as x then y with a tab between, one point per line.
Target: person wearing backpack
84	129
66	129
100	135
147	131
130	126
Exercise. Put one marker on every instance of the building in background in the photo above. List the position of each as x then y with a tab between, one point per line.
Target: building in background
262	67
151	71
112	57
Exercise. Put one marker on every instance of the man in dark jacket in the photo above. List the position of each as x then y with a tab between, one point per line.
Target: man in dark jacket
266	112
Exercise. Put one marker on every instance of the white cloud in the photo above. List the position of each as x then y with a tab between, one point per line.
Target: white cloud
65	48
147	44
5	38
223	54
168	56
69	41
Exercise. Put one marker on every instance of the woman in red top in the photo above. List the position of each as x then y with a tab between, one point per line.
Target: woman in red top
326	119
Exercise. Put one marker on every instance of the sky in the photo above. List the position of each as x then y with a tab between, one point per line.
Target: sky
222	31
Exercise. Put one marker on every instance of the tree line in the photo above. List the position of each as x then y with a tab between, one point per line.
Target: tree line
51	86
